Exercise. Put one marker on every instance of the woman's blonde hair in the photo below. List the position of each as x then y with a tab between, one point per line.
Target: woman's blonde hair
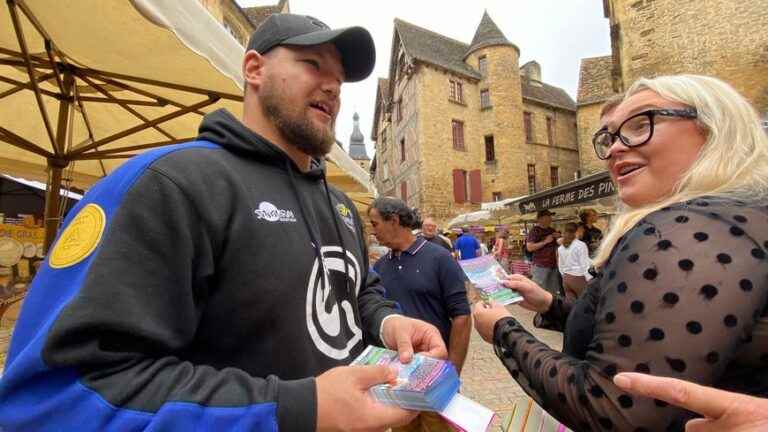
732	163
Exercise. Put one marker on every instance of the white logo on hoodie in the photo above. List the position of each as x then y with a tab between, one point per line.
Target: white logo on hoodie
330	315
270	213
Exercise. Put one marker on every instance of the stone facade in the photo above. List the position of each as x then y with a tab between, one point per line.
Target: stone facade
241	22
415	109
722	38
595	87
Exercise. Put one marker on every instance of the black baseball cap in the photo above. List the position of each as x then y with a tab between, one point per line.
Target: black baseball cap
355	44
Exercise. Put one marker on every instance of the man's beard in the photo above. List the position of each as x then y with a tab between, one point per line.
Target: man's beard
298	129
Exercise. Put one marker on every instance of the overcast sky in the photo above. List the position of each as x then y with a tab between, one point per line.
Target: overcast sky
555	33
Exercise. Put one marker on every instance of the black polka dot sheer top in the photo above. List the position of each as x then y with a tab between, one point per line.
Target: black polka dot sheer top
683	295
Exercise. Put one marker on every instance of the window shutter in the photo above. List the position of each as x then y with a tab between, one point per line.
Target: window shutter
475	187
459	186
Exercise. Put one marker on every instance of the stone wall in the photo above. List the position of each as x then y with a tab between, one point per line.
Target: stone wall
723	38
588	118
563	153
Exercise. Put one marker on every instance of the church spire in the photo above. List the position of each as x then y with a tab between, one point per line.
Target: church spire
357	141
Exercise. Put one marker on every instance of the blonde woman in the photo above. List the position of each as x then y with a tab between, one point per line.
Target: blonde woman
684	276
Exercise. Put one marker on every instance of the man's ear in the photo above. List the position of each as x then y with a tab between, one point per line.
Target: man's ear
253	69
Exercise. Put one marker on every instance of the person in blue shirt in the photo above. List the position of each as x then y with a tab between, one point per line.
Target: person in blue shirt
425	281
467	245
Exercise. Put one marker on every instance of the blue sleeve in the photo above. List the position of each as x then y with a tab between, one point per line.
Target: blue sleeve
97	343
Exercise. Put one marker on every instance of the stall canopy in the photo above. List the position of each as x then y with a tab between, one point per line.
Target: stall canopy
86	84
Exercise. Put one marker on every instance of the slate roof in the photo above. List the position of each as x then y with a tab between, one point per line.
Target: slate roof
434	48
550	95
487	34
258	14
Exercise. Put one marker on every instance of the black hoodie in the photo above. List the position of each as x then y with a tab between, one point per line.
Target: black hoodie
203	305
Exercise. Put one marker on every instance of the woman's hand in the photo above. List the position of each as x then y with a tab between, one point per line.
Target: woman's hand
486	316
536	298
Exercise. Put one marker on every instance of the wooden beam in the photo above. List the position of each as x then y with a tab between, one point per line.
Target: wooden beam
17	141
136	147
22	86
122	101
63	122
135	113
28	63
211	100
52	200
94	156
164	84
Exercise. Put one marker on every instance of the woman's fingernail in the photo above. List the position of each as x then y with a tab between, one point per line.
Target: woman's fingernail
622	381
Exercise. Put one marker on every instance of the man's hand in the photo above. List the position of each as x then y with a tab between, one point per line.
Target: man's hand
344	403
723	411
408	334
486	316
535	298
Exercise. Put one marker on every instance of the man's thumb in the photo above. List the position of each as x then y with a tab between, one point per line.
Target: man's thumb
369	376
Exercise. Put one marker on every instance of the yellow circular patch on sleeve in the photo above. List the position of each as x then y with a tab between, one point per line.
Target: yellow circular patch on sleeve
80	238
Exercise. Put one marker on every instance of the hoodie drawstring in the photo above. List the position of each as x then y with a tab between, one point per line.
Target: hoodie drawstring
312	237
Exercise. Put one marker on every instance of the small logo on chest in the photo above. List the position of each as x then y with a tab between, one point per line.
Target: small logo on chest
268	212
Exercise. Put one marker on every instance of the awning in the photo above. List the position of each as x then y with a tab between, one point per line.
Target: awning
585	189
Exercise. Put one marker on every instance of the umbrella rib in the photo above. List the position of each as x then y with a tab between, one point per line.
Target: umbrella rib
30	86
109	95
139	147
22	86
138	91
211	100
188	89
28	63
92	156
17	141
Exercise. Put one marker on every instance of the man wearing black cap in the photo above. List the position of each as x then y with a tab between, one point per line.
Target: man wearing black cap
204	286
542	241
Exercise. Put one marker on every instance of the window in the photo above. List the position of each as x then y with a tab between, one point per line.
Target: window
490	151
531	179
458	134
554	176
402	150
497	196
398	111
528	125
404	191
485	99
455	91
384	134
550	131
482	65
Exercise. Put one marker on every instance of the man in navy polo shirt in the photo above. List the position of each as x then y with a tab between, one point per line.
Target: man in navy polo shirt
426	282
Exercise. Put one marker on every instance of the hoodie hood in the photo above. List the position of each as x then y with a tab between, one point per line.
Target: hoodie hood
224	129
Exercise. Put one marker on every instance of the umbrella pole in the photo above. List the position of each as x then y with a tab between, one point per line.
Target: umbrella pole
56	166
52	202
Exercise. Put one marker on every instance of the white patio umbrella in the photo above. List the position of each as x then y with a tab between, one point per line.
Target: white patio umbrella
86	84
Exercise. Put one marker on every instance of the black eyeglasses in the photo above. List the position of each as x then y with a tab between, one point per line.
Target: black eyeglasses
636	130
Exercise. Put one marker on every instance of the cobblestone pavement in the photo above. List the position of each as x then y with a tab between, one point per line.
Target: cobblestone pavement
484	378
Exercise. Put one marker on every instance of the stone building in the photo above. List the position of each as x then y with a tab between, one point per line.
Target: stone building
595	87
721	38
357	145
458	124
240	22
